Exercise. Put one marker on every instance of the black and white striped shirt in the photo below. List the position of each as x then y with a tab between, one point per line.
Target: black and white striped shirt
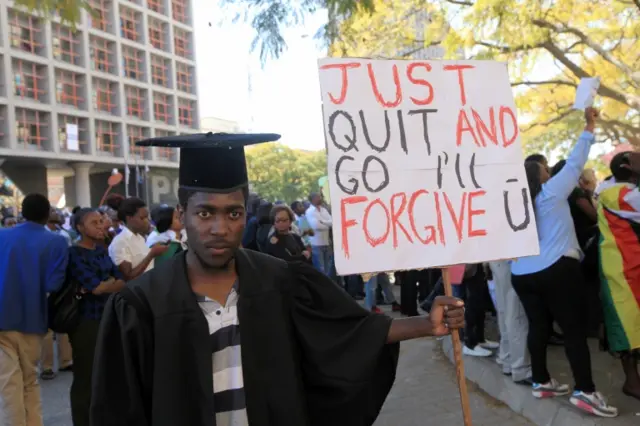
228	382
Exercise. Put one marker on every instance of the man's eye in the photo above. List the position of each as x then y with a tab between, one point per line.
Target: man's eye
204	215
235	215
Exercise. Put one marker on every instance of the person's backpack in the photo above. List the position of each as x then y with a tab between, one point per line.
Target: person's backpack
63	308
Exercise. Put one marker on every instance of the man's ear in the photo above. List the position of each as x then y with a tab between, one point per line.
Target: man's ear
181	213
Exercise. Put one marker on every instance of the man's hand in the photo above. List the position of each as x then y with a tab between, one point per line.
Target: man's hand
591	116
158	249
447	313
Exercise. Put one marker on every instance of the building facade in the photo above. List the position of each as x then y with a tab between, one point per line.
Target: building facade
74	102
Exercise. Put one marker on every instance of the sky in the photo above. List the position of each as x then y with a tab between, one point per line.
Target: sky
285	96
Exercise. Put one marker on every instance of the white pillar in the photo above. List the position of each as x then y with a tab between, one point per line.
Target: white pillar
83	188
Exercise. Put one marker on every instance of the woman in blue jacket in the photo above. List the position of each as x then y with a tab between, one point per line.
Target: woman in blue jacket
549	283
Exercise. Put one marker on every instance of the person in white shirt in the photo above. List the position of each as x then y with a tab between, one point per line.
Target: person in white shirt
129	250
321	222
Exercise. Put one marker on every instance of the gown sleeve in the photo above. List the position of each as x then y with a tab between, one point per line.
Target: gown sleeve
348	368
122	366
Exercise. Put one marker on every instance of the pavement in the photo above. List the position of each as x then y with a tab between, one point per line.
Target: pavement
608	377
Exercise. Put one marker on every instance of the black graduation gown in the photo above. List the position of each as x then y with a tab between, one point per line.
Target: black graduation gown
311	356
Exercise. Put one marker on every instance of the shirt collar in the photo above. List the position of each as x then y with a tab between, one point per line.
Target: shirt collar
202	298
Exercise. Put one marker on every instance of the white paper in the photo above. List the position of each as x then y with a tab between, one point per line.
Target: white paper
372	230
72	137
586	93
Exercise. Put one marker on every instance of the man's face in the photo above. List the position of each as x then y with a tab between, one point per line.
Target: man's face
299	209
214	224
316	200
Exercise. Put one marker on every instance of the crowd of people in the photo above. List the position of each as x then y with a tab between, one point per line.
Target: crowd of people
583	227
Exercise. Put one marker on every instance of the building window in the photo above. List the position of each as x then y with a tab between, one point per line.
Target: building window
159	71
156	5
66	45
99	16
64	122
135	102
101	52
183	77
107	137
133	63
185	112
179	11
25	32
162	107
129	20
166	154
136	134
157	33
31	128
68	89
29	80
104	96
181	43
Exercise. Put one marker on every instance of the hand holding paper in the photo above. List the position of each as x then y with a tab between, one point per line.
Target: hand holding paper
586	93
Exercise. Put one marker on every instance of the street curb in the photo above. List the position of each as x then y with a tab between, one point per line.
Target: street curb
485	373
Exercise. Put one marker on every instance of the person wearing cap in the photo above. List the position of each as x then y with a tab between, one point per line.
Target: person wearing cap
619	223
221	335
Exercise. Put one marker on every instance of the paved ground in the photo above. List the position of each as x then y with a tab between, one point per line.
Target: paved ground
607	375
426	393
425	389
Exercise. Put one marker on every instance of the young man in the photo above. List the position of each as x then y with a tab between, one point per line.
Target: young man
170	353
33	262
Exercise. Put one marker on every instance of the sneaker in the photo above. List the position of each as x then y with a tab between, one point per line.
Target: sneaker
47	375
395	307
593	403
550	389
488	344
477	351
376	310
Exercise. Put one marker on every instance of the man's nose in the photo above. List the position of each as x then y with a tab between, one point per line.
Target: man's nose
218	226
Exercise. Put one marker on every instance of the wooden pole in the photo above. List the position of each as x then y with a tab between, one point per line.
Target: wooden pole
457	355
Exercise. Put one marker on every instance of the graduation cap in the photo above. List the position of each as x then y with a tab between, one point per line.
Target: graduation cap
212	162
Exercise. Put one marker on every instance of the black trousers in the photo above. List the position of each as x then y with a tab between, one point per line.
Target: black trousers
476	292
554	292
409	290
83	344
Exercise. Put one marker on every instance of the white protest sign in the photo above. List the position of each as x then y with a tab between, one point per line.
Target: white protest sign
586	93
425	164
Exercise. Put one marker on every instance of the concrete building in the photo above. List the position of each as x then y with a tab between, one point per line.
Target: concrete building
73	103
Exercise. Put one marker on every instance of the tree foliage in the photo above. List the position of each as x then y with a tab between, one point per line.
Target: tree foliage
69	11
277	172
550	46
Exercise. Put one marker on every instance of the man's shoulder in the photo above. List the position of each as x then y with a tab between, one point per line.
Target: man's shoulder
266	261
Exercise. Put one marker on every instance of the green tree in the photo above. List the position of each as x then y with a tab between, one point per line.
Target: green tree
277	172
575	38
69	11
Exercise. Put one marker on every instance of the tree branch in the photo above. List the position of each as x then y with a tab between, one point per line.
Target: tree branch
510	49
557	118
562	28
629	100
464	3
541	83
